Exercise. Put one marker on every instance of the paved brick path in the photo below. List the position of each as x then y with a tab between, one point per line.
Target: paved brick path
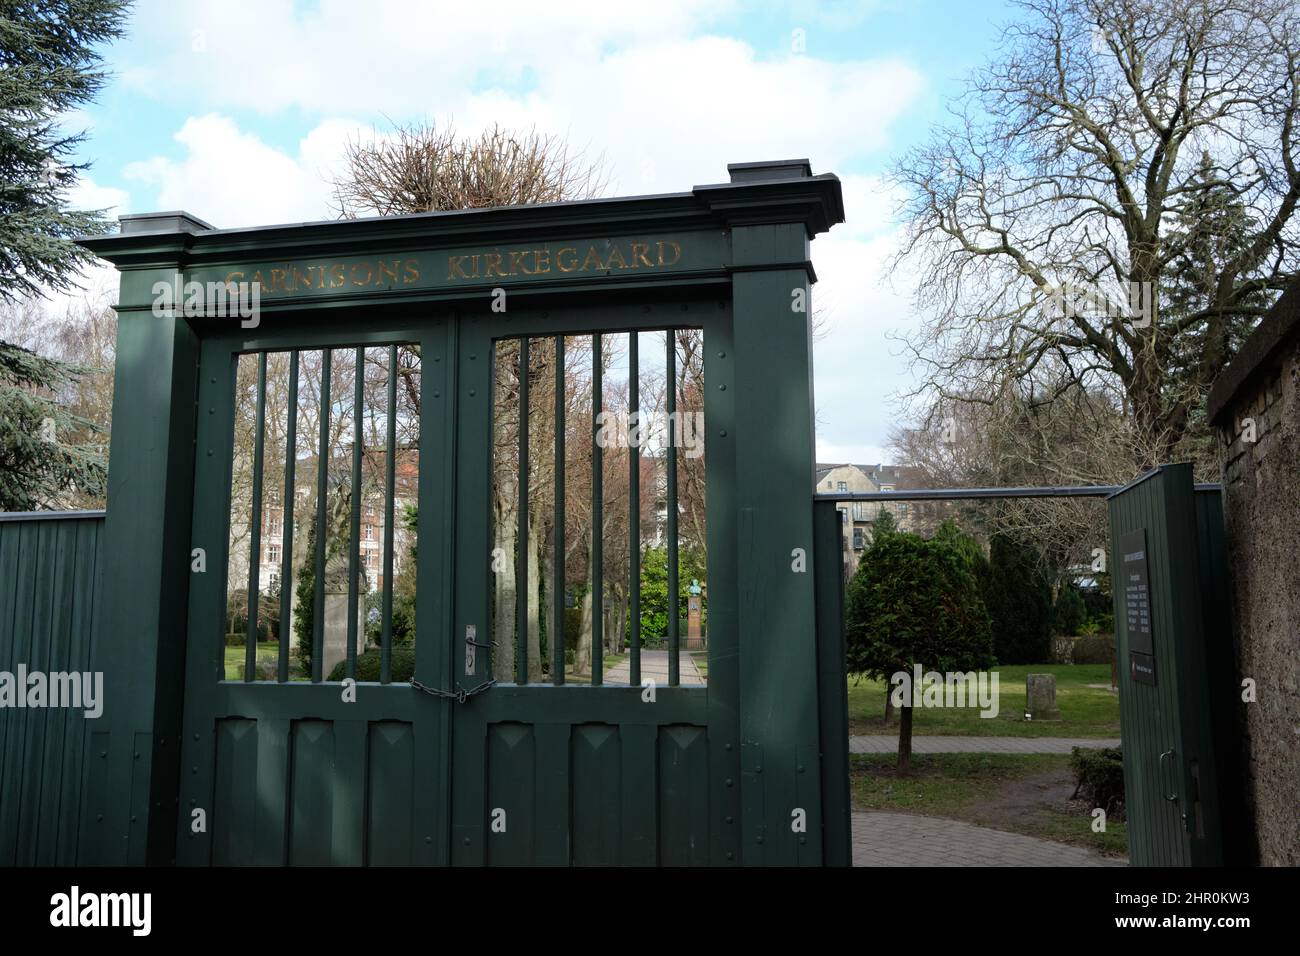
886	744
906	839
654	666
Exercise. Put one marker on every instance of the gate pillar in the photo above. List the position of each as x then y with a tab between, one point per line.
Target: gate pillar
781	805
129	810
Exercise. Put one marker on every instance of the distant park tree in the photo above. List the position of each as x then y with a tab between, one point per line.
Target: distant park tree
49	66
1111	207
915	601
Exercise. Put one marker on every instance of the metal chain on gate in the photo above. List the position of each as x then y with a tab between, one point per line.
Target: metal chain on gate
459	695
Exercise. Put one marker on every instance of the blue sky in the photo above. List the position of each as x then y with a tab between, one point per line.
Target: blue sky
237	111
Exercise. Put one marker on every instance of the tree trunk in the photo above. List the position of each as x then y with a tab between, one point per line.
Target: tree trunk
503	625
582	657
889	705
535	547
905	739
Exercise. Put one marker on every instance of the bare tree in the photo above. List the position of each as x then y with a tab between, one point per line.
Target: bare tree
421	168
1109	143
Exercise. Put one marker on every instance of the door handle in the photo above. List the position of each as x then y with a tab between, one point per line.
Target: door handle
1171	797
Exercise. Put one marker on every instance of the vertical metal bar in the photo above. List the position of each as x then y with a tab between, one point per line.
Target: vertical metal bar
521	511
286	516
322	517
255	524
597	516
354	536
557	569
390	479
634	505
674	600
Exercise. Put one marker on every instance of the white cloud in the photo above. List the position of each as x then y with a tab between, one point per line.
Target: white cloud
231	178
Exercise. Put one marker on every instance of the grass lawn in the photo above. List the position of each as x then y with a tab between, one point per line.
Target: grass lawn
1021	793
1085	711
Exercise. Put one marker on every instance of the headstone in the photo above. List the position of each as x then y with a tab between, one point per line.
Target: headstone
1040	697
336	616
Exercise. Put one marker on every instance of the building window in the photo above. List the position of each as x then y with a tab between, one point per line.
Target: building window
273	554
844	515
843	486
368	532
858	539
857	511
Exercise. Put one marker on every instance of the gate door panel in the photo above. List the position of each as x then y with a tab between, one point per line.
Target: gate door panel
284	761
558	761
1162	634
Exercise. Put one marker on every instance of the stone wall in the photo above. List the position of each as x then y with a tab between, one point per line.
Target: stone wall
1261	475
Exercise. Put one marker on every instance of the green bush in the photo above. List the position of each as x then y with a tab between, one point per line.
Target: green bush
1094	649
1099	777
1019	601
368	665
235	640
915	601
1069	613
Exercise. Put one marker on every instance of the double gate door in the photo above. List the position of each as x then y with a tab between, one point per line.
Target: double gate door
370	676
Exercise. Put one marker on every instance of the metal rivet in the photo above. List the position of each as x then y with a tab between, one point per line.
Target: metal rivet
137	756
723	433
729	781
212	411
801	768
428	839
758	770
133	818
437	394
437	358
467	841
730	855
803	839
727	748
722	388
209	452
196	736
472	393
730	820
760	839
722	355
472	357
99	818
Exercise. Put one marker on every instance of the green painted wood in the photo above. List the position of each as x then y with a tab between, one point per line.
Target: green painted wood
1223	680
234	809
390	478
776	568
1173	717
48	589
557	522
272	789
597	800
393	828
634	510
680	760
287	506
554	775
509	813
832	688
723	711
683	796
311	837
597	515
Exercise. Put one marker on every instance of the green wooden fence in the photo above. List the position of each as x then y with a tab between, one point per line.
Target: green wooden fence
50	565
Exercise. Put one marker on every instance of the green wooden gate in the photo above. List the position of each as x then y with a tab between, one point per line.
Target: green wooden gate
487	757
1176	673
